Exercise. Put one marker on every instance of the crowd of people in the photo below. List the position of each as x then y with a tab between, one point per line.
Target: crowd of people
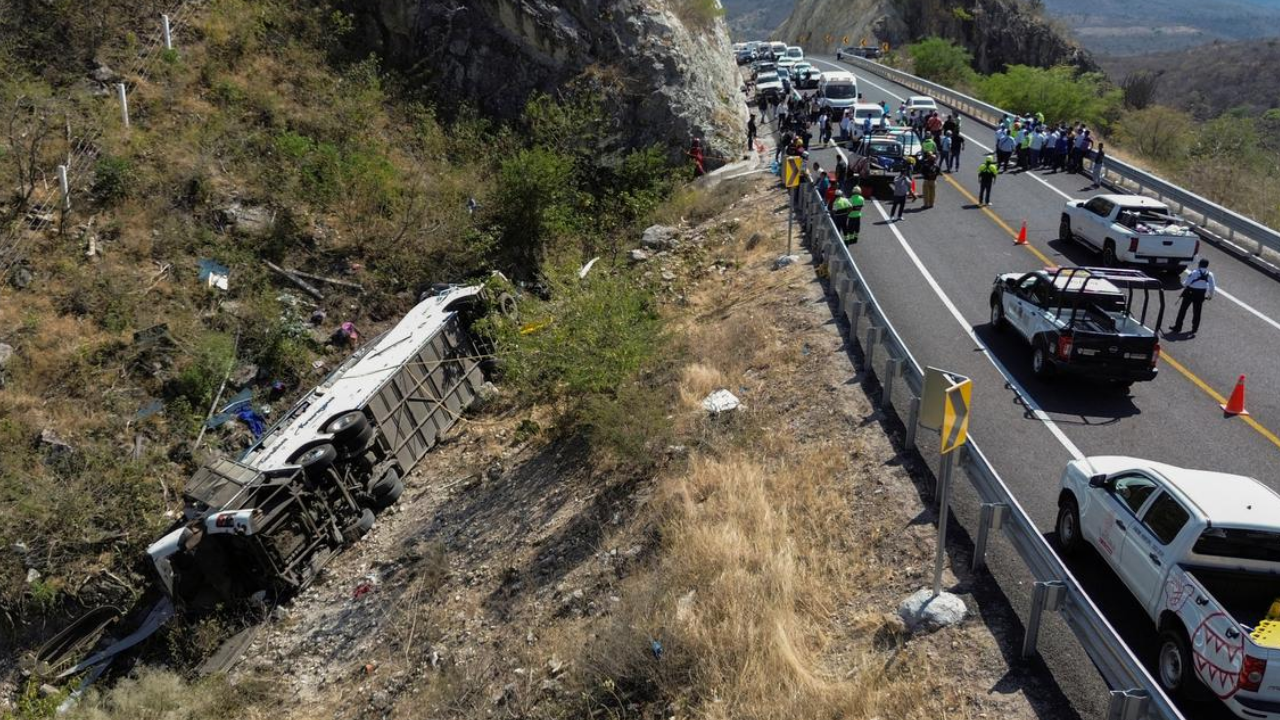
1032	144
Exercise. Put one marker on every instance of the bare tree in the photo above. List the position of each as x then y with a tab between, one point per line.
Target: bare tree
1139	88
29	127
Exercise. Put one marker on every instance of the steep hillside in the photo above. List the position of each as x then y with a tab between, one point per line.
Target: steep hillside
1130	27
665	66
756	19
998	32
1208	80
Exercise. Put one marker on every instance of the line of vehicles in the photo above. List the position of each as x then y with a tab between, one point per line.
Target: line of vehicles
1198	550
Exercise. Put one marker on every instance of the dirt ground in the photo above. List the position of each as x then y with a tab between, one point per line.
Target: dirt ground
516	570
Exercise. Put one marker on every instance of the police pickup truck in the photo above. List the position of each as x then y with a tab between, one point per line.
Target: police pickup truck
1130	229
1081	321
1200	552
877	159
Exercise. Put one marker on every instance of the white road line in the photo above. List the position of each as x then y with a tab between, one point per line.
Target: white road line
1022	393
1243	305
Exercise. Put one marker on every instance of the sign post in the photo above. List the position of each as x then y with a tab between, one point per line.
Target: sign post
791	171
944	406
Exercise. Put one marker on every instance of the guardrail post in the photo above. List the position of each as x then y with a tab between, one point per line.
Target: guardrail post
913	421
944	507
124	103
990	518
869	350
64	187
1128	704
892	369
1047	595
855	316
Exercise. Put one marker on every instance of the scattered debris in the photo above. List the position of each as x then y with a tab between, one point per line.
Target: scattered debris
785	261
244	375
54	445
214	274
323	279
721	401
922	611
33	575
231	410
153	407
6	353
306	286
639	255
346	335
668	276
318	317
255	422
660	237
104	74
582	272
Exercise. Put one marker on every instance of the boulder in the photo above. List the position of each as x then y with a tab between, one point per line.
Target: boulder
639	255
251	220
660	237
104	74
922	611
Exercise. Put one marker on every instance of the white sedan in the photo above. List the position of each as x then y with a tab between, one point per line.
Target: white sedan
922	103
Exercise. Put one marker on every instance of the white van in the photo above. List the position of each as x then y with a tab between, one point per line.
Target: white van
779	49
795	52
837	91
861	113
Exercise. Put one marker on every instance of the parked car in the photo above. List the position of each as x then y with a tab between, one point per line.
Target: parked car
1131	229
877	159
911	146
922	103
1200	552
1081	321
806	76
770	85
863	112
795	52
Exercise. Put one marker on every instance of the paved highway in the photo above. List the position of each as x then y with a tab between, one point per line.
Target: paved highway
933	273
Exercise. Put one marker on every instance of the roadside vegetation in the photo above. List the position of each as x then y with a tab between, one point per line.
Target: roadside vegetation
259	139
1229	159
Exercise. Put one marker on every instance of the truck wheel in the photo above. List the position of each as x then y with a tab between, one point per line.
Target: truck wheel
316	459
346	426
507	306
1064	230
1175	667
1109	258
389	498
1040	363
360	527
1068	527
385	483
997	315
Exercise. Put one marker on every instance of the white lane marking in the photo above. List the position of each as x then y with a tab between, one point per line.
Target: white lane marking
1243	305
1022	393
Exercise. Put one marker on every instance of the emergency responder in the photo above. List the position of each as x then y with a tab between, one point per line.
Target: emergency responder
840	210
855	216
929	170
695	153
987	173
1197	287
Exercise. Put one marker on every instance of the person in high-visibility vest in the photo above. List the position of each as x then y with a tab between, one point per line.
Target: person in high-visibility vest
987	173
854	225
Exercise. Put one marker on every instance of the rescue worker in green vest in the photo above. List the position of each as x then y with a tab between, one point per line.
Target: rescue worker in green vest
847	214
987	173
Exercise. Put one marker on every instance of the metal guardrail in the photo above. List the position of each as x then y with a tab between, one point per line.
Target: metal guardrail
1219	222
1135	694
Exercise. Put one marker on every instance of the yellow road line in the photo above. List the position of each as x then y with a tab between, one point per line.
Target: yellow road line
1195	379
1000	221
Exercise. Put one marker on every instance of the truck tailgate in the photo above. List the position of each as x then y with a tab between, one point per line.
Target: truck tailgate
1156	249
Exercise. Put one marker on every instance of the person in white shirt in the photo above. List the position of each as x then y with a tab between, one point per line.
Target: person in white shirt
1197	287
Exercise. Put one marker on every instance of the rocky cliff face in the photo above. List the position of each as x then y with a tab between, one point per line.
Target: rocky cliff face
665	65
997	32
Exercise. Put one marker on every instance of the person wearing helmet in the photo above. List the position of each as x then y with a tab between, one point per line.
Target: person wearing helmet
840	210
854	226
987	172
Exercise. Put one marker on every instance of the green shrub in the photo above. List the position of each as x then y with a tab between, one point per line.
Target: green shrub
699	13
1060	93
1157	132
113	180
197	381
942	61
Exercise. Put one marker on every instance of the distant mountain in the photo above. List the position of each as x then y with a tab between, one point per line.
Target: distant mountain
757	19
1210	79
1126	27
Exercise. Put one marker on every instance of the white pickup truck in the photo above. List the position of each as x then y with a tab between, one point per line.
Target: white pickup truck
1200	551
1130	229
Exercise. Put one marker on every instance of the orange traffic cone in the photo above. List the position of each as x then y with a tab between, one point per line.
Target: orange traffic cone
1022	235
1235	406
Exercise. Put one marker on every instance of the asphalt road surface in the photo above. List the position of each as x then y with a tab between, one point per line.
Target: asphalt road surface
933	273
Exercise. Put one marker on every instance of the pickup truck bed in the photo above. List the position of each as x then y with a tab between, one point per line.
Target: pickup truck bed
1246	596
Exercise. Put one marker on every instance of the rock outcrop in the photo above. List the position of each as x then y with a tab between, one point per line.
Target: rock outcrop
997	32
666	65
